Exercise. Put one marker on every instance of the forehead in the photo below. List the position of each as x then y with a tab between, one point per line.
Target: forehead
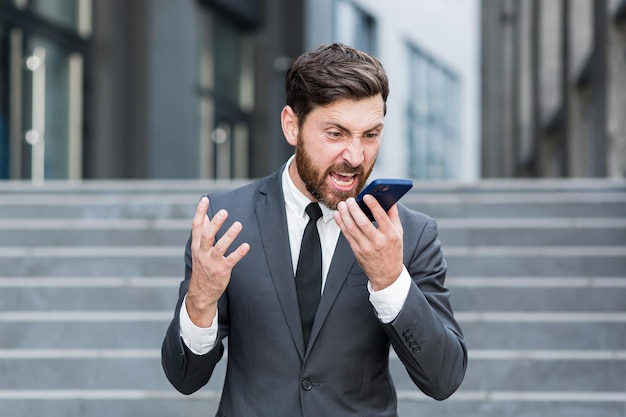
363	114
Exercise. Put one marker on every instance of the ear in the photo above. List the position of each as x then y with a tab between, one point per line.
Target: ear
289	123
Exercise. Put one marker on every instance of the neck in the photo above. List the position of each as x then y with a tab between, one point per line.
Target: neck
297	181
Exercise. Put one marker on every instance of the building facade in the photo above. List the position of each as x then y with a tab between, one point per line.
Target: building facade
430	50
194	88
554	88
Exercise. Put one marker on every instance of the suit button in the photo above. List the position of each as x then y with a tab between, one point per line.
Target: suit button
406	332
306	385
417	349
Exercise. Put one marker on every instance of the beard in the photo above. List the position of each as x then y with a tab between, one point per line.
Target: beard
315	179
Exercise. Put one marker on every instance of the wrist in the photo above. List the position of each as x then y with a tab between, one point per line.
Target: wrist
201	313
381	283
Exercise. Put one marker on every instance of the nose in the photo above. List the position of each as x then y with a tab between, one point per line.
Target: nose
353	153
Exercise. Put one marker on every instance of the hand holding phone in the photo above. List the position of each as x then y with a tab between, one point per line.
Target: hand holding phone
386	191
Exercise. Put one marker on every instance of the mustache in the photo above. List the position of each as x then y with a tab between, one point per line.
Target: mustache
347	169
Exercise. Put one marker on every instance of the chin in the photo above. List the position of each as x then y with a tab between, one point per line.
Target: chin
332	199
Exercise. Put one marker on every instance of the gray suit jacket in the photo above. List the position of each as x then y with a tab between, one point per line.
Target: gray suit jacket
344	371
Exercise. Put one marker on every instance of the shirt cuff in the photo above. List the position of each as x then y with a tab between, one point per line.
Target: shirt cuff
389	301
199	340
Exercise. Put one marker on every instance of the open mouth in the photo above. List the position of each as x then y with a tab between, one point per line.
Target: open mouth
343	180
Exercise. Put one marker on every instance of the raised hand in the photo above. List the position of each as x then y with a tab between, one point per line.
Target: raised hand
211	269
377	249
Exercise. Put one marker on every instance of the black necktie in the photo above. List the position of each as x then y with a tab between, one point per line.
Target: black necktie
309	271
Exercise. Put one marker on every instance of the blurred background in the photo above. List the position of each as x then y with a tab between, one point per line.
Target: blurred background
193	89
117	115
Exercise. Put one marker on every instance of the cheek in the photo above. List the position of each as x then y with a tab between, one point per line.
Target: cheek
329	153
370	153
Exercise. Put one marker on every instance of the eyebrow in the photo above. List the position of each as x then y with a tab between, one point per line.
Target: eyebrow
345	129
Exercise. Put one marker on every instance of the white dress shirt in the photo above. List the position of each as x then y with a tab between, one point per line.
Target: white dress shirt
387	302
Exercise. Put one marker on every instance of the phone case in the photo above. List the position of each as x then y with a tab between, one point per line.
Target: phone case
386	191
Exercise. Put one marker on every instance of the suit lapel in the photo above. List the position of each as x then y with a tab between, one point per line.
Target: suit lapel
343	260
272	223
275	238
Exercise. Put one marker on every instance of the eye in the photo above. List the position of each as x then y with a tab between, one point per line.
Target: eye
371	135
334	134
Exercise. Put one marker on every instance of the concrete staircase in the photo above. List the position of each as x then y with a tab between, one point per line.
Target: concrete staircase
89	275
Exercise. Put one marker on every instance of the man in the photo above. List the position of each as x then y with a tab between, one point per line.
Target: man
382	283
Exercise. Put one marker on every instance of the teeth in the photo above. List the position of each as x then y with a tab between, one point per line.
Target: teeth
343	183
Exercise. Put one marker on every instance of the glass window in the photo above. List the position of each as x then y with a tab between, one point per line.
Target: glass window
229	44
73	15
4	103
227	99
433	110
41	93
47	80
354	27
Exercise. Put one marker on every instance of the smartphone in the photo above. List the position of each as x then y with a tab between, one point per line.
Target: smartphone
386	191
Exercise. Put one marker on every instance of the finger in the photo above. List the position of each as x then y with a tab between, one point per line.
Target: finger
197	223
339	219
344	219
358	241
352	230
210	229
341	208
377	210
394	215
233	258
224	242
360	219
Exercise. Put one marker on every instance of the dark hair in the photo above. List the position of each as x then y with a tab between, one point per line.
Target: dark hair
332	72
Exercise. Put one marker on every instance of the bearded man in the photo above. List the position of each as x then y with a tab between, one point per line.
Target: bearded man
309	333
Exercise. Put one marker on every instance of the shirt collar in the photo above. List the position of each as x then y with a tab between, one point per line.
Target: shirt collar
295	201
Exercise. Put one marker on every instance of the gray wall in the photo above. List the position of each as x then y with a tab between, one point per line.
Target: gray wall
173	112
553	89
143	114
115	94
143	119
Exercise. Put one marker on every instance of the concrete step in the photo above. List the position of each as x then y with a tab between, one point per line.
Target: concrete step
106	206
519	374
518	404
475	392
178	199
94	232
89	274
26	332
545	334
452	231
524	204
167	404
429	187
87	374
530	231
539	300
535	375
87	299
81	261
465	298
562	261
182	207
127	403
487	261
75	330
